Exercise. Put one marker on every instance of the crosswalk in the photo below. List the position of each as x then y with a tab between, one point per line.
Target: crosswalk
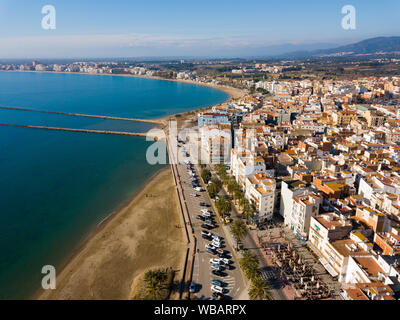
268	275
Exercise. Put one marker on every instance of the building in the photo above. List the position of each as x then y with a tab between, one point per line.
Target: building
212	119
260	191
303	208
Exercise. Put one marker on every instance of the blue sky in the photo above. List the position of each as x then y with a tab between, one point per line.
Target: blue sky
129	28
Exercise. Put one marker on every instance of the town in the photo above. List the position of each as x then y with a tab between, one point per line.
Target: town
315	175
303	168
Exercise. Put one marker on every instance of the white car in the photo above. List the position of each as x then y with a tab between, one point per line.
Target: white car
217	237
224	260
194	195
217	289
216	244
198	189
205	233
216	267
214	261
206	214
205	211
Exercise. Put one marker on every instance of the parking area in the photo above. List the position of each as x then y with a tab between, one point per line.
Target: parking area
230	277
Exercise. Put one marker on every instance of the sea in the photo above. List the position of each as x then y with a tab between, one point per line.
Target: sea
57	186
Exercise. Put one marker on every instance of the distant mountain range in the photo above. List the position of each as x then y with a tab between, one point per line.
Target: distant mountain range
372	46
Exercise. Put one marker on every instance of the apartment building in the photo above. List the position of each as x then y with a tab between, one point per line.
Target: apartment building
260	191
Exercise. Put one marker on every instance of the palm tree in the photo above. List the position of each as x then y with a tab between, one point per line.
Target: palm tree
238	230
259	290
237	195
155	282
248	211
242	202
223	206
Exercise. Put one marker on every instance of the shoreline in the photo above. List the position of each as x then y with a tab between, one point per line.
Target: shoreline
233	93
100	227
90	237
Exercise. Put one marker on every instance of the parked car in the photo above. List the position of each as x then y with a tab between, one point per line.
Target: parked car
214	261
198	189
207	226
205	233
216	267
206	237
217	289
218	273
216	282
216	244
192	287
200	217
203	204
195	195
224	260
228	220
215	236
205	211
211	251
217	296
209	246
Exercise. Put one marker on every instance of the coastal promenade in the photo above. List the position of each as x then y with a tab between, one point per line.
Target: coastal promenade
189	261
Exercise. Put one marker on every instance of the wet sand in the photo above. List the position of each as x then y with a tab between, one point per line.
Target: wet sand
143	235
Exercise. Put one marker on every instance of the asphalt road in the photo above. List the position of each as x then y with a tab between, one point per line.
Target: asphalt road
270	273
202	275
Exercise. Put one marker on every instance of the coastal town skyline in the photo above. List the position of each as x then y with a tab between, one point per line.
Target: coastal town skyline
178	153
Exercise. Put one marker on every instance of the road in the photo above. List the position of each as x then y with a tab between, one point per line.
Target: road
202	275
270	273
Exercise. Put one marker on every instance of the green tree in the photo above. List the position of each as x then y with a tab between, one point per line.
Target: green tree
205	175
250	265
239	231
155	282
212	190
237	195
248	211
259	289
223	205
217	182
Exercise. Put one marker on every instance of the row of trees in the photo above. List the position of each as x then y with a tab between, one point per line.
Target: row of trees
250	265
236	192
214	188
205	175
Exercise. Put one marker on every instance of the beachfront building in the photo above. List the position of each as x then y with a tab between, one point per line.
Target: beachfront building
216	143
209	118
260	191
245	164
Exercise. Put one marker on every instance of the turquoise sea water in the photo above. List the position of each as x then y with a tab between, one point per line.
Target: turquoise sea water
55	187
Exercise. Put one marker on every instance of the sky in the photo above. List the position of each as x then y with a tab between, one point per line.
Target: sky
206	28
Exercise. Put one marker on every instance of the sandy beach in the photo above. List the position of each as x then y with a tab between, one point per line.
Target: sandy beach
141	236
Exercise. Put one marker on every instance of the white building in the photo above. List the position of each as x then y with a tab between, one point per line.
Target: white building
260	190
